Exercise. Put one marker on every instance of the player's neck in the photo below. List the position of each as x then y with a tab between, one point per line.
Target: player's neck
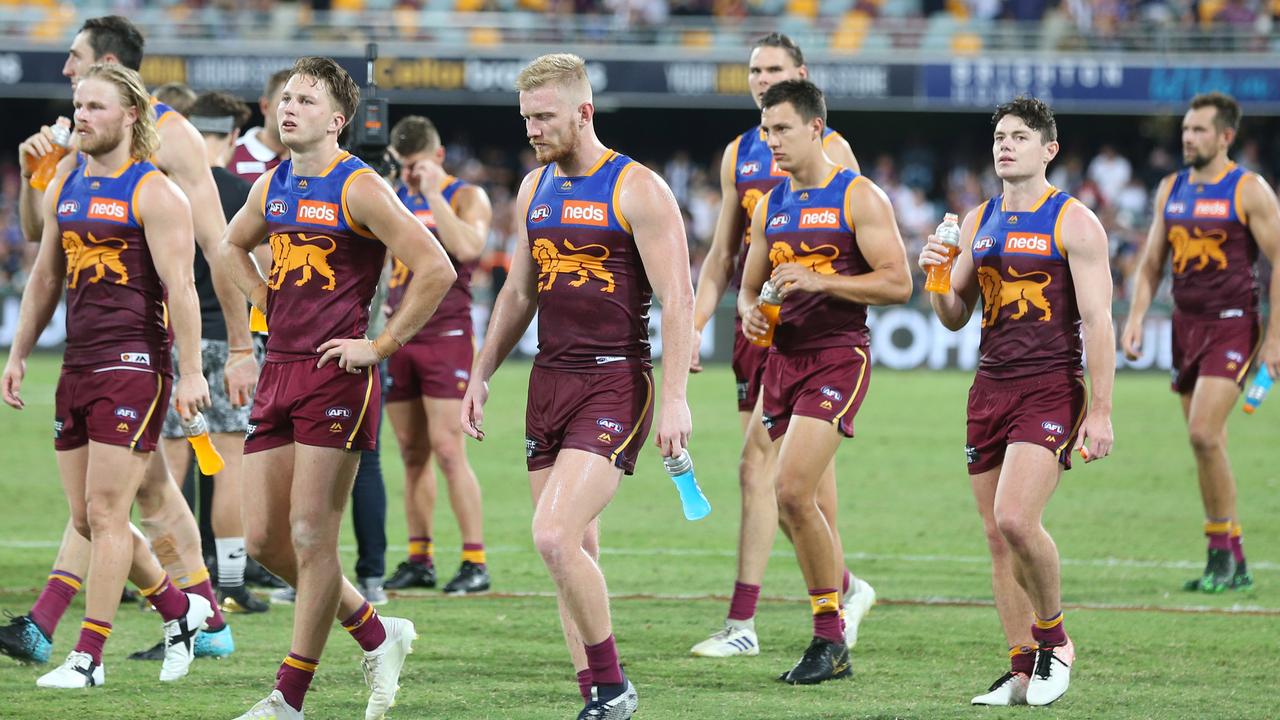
110	162
589	152
1021	195
1211	170
313	161
812	174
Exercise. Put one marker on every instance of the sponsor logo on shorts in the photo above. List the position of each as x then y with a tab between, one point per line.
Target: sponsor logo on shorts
986	242
826	405
779	220
1232	313
768	421
1028	243
610	424
57	428
606	359
137	358
742	391
277	208
605	438
122	427
1176	208
1053	427
970	454
748	168
1212	209
831	393
530	446
108	209
337	411
462	374
250	429
126	413
335	427
819	218
68	207
540	213
1234	356
584	212
314	212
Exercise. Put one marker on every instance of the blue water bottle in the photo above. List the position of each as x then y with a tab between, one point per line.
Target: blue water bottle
1257	390
680	468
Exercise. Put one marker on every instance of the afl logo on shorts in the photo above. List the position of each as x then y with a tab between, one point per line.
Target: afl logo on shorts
277	208
610	424
1053	427
831	393
68	207
540	213
126	413
337	412
779	220
750	167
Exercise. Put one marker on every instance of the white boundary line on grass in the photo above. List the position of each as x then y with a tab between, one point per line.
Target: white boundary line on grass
1107	562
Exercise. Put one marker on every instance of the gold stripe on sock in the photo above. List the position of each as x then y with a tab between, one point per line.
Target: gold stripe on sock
368	613
74	584
300	665
148	592
103	631
192	579
1236	530
1217	528
473	556
1017	650
825	603
1050	624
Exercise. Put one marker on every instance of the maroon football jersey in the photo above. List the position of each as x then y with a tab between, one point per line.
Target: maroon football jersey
324	267
453	315
115	300
1213	250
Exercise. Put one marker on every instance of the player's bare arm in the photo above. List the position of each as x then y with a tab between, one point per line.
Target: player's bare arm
39	299
181	157
717	267
373	205
30	210
1262	214
954	307
243	235
880	242
165	216
463	225
837	148
648	205
1146	276
1085	243
754	272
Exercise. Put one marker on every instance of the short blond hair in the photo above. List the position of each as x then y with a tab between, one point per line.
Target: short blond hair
564	69
133	94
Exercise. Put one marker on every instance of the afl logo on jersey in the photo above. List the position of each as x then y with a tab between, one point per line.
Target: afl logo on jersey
1176	208
540	213
779	220
748	168
986	242
68	207
277	208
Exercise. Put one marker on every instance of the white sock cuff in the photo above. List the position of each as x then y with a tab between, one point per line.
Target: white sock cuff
231	560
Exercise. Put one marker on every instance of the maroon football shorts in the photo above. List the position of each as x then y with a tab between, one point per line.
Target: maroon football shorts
829	384
111	404
608	414
1213	347
297	402
1044	410
748	368
437	368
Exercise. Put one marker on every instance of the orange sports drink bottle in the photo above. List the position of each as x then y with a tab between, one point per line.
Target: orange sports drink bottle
197	431
47	164
938	278
771	308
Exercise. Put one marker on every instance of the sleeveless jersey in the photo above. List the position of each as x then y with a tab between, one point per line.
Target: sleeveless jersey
812	227
164	113
453	316
324	267
251	158
754	174
115	300
1030	322
1213	251
593	294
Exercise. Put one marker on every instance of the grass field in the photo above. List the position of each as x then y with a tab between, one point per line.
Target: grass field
1128	530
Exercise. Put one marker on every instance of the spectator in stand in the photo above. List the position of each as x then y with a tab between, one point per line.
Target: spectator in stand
1110	171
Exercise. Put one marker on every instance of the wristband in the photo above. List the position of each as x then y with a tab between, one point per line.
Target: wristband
385	345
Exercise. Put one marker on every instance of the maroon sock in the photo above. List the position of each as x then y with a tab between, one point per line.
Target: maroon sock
93	635
845	582
1055	634
1022	659
584	684
366	627
1219	541
294	677
743	604
602	658
58	593
1237	549
205	590
168	600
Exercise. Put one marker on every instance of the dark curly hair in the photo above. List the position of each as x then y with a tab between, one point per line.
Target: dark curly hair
1033	112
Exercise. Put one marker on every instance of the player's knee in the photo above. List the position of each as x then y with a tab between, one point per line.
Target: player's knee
794	502
415	455
264	545
309	540
452	459
80	521
104	515
1015	528
553	543
1204	439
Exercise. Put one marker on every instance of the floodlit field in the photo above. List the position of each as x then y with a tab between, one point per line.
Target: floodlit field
1128	529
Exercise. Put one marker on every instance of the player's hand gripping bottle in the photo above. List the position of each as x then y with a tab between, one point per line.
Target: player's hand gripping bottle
680	468
938	279
771	308
1258	390
197	431
47	164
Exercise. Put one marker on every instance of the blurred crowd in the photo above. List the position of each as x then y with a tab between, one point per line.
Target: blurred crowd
922	181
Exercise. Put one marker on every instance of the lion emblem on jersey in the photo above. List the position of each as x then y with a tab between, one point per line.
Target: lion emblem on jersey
816	258
750	199
288	255
1203	247
399	273
998	293
552	262
100	255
